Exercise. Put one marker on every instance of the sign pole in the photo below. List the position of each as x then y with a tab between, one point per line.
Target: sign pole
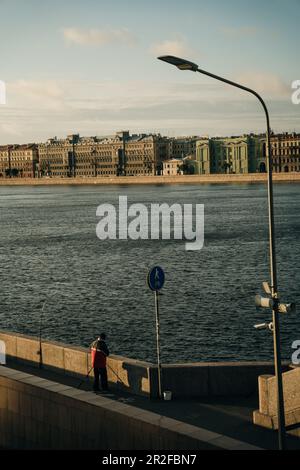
156	280
157	344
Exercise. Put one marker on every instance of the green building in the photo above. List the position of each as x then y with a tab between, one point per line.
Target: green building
229	154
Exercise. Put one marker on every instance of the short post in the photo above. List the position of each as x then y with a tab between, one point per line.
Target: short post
40	352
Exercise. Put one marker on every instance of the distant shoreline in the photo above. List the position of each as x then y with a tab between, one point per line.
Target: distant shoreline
136	180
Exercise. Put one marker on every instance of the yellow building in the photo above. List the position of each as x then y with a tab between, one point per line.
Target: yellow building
180	147
172	167
122	154
5	164
18	161
285	152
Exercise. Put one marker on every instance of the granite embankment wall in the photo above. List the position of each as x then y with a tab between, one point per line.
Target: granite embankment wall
176	179
184	380
267	414
36	413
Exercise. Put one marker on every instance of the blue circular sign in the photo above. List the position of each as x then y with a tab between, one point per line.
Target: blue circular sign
156	278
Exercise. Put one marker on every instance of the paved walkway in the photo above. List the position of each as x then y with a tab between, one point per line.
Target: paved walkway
229	416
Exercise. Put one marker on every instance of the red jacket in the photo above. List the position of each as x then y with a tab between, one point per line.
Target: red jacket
99	353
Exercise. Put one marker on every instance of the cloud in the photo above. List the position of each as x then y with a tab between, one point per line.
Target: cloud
42	94
177	47
240	31
47	88
98	37
10	129
37	110
116	96
267	83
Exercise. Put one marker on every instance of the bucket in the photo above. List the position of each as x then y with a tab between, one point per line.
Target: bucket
167	395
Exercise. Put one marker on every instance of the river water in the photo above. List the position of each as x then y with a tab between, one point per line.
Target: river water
49	251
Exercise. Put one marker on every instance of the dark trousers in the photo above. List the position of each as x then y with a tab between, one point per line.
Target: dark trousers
102	373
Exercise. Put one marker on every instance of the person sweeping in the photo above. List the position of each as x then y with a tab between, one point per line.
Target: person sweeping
99	352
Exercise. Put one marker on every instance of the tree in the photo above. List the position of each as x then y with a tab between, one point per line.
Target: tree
11	172
186	167
227	166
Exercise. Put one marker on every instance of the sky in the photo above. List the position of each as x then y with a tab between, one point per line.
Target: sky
90	67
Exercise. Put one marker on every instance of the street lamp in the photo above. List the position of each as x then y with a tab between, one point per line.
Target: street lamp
183	64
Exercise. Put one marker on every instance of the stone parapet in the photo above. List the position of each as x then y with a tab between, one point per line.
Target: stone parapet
198	379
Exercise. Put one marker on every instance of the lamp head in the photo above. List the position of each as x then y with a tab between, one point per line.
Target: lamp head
181	64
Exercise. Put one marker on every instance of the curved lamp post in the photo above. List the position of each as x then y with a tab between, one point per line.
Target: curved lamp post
183	64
